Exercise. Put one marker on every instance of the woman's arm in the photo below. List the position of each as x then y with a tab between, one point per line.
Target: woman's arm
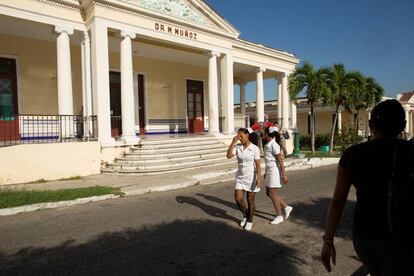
230	153
258	171
343	184
282	168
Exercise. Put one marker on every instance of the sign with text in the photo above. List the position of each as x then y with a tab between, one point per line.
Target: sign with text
175	31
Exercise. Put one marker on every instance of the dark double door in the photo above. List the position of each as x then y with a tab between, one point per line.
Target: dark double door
116	106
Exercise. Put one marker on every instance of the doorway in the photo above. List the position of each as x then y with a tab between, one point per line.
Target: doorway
195	106
9	122
141	104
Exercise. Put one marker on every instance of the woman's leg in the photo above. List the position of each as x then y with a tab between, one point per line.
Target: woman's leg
238	196
251	203
273	195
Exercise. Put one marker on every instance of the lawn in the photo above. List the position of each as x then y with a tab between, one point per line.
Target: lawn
13	198
319	154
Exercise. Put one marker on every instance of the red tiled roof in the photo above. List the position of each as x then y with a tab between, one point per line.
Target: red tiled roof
406	96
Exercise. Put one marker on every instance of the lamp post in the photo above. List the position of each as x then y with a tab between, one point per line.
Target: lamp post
296	150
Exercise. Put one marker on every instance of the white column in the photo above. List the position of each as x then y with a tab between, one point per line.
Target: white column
285	102
259	95
127	89
100	80
87	84
279	100
339	122
293	112
243	98
213	106
64	71
368	117
407	118
227	83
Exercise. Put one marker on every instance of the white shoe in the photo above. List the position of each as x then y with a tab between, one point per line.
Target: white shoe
288	210
248	226
277	220
243	222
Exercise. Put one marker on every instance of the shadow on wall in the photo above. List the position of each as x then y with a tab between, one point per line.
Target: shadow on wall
195	247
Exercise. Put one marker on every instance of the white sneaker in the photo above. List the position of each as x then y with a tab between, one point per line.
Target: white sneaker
243	222
288	210
277	220
248	226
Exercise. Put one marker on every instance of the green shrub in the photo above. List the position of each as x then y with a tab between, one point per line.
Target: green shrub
320	140
348	137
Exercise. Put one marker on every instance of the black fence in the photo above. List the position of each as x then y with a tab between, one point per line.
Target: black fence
38	129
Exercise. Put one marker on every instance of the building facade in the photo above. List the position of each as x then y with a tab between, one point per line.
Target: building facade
127	68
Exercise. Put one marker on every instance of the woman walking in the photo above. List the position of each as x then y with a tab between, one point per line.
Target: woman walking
248	173
275	174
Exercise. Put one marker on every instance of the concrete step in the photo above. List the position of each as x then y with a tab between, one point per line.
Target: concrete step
156	154
169	165
181	149
158	160
176	140
162	145
191	166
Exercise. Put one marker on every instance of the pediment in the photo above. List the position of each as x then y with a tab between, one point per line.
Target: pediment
195	12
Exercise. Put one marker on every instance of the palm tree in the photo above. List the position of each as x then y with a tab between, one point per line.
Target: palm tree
367	93
315	83
341	84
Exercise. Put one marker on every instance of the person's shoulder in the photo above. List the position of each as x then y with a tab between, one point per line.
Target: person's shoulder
254	147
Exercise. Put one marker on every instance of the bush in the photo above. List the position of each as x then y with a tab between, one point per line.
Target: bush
320	140
348	137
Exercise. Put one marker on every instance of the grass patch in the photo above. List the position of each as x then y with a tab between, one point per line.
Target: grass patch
319	154
13	198
71	178
39	181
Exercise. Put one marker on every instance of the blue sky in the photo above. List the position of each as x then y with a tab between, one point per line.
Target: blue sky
375	37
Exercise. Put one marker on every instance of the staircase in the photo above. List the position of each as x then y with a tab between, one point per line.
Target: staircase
152	157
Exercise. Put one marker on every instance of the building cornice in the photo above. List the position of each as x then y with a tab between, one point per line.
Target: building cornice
149	14
260	49
71	4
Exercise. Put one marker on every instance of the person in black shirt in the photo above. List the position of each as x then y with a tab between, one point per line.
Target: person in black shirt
368	167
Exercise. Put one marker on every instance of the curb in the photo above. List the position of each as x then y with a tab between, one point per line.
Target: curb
50	205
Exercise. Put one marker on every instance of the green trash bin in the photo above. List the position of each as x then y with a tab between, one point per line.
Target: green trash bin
324	149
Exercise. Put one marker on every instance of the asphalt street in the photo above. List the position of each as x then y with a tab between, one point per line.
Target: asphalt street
192	231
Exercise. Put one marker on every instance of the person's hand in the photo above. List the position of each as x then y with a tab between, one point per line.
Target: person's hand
328	252
258	183
235	139
285	179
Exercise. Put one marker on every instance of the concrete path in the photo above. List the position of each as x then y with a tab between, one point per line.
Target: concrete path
191	231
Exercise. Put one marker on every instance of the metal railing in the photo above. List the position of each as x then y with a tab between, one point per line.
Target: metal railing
39	129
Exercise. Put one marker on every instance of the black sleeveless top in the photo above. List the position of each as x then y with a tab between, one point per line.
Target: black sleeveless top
370	165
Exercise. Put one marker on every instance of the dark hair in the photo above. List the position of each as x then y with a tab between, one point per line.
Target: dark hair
253	137
274	134
388	117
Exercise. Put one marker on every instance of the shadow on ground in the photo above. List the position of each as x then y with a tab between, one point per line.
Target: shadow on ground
194	247
308	214
313	214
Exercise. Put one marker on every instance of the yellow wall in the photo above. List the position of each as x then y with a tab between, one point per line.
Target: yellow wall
166	85
38	74
21	163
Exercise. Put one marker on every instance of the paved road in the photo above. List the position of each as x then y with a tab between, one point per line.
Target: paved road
191	231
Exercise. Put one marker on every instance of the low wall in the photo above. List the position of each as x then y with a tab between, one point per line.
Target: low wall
27	163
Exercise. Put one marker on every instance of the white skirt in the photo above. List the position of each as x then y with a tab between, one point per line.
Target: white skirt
273	178
246	182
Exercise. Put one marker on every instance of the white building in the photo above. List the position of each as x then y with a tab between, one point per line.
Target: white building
132	67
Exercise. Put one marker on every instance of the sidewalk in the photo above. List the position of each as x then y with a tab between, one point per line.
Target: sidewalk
134	185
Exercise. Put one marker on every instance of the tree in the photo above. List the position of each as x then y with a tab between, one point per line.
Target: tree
367	92
315	84
341	85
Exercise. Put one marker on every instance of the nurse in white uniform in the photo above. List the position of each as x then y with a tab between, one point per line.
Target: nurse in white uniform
248	173
275	174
